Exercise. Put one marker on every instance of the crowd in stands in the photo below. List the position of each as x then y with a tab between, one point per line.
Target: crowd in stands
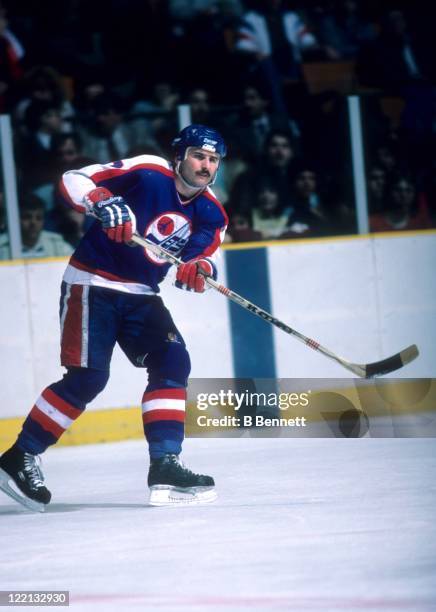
90	83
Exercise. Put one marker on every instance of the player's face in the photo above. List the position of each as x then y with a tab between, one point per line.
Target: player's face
199	167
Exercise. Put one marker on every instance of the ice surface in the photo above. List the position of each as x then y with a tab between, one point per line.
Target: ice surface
300	524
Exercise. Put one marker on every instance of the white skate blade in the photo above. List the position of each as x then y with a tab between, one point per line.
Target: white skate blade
17	495
166	495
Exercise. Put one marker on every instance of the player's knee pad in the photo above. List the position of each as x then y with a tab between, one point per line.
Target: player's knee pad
171	364
82	385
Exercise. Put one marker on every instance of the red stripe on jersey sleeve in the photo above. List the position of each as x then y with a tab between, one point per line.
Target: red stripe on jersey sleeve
109	173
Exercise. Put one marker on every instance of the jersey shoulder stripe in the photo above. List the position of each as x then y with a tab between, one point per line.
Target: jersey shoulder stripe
141	162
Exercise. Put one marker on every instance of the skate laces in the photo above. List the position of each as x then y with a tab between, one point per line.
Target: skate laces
177	461
32	468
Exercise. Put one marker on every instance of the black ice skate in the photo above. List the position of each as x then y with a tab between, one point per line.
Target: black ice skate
21	478
171	483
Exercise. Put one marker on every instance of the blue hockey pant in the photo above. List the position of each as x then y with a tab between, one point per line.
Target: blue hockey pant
93	320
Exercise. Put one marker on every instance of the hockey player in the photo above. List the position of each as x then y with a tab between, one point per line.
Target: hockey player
109	294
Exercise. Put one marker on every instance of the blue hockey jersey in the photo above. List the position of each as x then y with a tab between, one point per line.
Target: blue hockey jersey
194	228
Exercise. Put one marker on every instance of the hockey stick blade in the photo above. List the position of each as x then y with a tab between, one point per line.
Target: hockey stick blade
368	370
390	364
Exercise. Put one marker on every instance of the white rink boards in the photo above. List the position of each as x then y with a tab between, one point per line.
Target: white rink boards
363	298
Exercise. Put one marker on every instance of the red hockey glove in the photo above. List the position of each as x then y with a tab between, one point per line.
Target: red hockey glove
116	217
191	275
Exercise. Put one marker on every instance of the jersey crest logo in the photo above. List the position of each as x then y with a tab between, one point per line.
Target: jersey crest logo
165	226
171	231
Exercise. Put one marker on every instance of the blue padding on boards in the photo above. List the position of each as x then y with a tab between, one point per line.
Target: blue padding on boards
252	338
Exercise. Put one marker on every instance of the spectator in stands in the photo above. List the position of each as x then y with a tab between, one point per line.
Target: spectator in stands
67	149
277	36
71	224
304	214
233	167
429	183
255	121
343	29
87	90
43	122
397	57
155	116
240	229
162	97
310	214
267	217
3	228
275	40
44	84
376	189
387	157
184	10
11	55
276	166
200	106
307	192
107	135
205	25
405	209
67	154
36	242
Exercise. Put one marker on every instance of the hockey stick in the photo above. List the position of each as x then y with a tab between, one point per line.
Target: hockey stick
364	370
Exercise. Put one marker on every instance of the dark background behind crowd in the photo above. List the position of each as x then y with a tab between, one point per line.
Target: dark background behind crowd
91	82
